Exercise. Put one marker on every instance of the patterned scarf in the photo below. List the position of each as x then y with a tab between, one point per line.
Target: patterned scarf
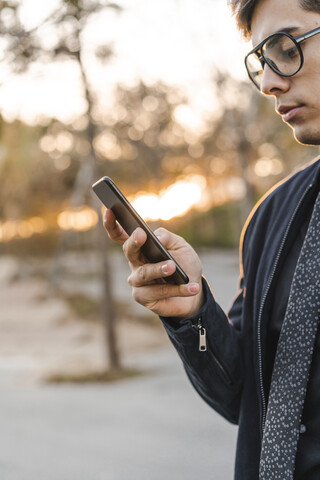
293	361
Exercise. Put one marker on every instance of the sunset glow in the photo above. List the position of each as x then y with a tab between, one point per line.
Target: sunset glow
21	228
175	201
80	220
55	90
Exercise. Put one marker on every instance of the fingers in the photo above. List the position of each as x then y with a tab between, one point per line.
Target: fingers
147	292
151	294
170	240
147	273
148	280
114	230
131	244
132	247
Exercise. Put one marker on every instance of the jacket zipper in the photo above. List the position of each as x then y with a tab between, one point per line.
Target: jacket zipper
204	347
262	393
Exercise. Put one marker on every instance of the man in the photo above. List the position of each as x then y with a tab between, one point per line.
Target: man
243	349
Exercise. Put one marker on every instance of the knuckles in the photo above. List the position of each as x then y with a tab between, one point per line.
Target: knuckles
151	296
136	296
125	247
138	277
128	247
160	231
142	274
163	290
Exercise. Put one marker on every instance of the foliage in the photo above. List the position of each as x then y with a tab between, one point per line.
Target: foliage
139	141
24	47
219	227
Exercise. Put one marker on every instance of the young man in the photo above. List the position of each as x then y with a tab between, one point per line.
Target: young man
258	359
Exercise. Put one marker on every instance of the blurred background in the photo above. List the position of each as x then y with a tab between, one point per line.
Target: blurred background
154	95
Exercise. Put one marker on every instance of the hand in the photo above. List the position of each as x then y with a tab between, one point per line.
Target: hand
147	279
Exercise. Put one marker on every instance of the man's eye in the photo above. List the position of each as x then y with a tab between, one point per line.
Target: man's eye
290	53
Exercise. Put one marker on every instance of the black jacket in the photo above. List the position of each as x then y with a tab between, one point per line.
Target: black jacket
230	375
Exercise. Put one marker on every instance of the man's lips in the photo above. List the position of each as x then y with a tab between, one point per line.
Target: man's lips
288	112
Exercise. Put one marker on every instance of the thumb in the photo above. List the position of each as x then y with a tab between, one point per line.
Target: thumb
168	239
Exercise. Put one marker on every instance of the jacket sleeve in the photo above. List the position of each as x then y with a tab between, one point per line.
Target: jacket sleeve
217	373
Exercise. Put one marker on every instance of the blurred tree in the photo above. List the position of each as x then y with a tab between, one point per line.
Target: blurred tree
247	140
139	141
139	136
24	47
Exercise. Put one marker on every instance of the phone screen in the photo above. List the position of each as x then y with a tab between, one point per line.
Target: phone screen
129	219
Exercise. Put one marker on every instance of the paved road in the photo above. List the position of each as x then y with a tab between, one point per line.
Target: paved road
153	427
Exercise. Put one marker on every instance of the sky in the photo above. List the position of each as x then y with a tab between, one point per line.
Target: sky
176	41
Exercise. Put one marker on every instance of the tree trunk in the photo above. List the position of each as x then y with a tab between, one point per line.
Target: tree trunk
108	312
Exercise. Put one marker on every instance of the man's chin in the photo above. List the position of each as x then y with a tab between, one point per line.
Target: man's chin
306	137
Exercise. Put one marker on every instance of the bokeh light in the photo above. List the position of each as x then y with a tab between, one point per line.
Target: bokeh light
80	219
174	201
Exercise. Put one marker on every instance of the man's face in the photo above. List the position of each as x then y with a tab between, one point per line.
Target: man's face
297	98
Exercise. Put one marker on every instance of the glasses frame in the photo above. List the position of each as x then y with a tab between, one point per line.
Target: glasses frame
258	52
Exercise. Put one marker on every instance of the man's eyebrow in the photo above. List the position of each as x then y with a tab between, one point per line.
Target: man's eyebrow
288	29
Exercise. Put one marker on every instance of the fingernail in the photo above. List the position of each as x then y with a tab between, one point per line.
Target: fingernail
164	269
193	287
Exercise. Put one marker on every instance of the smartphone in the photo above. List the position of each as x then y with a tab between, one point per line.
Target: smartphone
129	219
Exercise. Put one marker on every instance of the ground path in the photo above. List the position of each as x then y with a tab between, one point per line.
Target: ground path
152	427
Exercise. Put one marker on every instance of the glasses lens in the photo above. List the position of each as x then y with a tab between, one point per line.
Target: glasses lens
255	69
280	52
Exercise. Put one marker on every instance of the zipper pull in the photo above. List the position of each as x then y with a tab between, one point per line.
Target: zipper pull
202	339
202	335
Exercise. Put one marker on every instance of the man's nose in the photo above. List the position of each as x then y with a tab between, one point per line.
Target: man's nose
272	82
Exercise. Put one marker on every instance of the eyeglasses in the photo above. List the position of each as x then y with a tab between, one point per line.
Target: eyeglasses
281	51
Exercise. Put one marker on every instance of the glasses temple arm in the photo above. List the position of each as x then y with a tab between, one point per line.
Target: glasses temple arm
304	37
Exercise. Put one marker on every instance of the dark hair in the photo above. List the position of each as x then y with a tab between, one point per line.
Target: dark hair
243	11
